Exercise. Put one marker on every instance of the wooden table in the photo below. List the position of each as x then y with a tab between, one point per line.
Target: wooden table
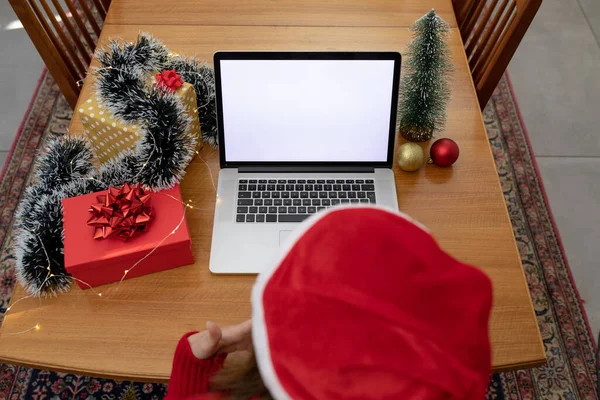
133	334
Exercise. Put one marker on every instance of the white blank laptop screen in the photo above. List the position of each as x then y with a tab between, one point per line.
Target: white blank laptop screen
306	110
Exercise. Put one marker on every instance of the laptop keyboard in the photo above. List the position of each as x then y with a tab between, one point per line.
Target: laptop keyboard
293	200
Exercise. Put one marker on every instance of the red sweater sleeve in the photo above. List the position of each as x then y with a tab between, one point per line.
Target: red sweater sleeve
191	376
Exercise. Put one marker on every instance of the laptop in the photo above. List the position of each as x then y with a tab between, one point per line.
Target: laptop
299	132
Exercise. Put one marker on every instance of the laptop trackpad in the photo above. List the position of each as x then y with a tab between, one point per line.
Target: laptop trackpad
283	236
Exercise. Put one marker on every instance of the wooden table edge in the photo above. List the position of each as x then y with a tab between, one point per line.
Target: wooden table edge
519	366
165	378
543	360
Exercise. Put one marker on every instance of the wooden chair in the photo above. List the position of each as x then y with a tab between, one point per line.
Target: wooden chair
491	31
67	44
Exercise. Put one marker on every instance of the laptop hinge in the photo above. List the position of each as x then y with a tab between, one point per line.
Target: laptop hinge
289	169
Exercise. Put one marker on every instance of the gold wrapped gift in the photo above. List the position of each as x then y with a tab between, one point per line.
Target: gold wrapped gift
110	136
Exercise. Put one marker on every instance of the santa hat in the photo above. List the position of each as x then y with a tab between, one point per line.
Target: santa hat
363	304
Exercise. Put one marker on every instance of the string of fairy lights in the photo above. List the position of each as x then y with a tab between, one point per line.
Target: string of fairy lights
187	206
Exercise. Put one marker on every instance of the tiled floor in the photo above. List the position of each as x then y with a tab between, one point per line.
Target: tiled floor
556	75
20	69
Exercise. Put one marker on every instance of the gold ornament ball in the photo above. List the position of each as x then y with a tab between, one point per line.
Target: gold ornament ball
410	157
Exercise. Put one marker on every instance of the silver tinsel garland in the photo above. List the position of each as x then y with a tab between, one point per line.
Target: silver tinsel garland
158	162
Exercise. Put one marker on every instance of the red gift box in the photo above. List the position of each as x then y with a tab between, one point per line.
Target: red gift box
97	262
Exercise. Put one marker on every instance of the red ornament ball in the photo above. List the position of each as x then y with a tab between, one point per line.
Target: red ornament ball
444	152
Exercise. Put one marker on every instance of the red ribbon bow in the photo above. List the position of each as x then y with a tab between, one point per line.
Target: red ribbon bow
122	212
169	79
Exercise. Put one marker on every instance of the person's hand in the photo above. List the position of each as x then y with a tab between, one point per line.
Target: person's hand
215	339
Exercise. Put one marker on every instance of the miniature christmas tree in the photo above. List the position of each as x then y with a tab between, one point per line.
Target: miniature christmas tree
424	91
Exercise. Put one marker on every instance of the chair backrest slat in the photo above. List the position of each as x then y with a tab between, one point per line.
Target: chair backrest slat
475	52
106	4
484	55
65	37
90	16
472	21
75	37
492	26
463	9
81	24
100	8
491	31
479	27
46	47
54	39
463	12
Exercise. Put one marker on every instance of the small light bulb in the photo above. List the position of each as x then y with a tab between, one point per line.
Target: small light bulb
191	206
8	309
172	233
126	271
99	294
37	327
51	275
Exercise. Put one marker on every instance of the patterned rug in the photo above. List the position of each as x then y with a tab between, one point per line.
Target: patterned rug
569	374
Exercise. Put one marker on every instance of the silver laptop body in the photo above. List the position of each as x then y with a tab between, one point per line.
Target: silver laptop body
299	132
